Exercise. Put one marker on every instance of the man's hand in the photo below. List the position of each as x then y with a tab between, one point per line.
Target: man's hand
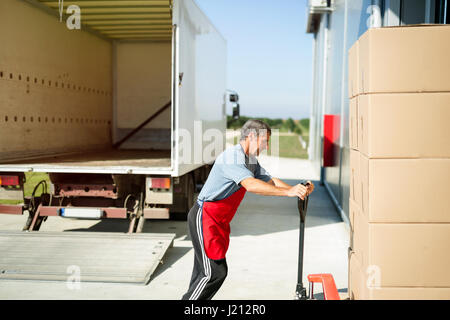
310	187
298	190
301	191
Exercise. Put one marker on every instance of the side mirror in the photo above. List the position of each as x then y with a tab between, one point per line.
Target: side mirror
236	112
234	97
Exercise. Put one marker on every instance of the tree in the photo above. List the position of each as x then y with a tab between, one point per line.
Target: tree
290	124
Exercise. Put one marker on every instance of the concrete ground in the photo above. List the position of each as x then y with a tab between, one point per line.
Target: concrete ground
262	257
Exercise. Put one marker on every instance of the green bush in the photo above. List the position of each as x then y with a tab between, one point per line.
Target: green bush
298	130
305	123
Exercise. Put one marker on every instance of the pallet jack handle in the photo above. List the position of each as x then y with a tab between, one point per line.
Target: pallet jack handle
300	293
303	205
329	287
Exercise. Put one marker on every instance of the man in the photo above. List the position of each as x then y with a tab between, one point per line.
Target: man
235	171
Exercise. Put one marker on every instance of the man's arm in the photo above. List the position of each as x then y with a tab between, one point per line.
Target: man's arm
267	189
280	183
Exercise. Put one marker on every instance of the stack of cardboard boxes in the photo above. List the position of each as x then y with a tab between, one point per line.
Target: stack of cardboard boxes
399	88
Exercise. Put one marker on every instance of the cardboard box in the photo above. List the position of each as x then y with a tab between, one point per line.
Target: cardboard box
359	290
410	58
353	74
403	190
360	237
353	125
356	289
354	212
355	179
353	209
403	255
403	125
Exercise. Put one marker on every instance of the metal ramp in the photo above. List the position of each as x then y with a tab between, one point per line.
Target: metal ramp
94	256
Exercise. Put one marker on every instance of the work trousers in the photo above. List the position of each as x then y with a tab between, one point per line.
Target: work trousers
207	275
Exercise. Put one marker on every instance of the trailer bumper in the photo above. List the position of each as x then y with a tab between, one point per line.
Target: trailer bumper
11	209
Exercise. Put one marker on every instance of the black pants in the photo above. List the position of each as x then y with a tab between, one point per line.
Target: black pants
207	275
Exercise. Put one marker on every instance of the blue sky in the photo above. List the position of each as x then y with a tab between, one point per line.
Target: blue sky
269	54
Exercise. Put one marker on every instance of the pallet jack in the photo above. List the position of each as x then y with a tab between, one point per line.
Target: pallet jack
326	279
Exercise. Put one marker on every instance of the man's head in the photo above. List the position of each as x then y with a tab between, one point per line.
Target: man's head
255	134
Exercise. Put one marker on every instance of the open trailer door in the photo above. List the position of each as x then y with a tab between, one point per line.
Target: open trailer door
200	90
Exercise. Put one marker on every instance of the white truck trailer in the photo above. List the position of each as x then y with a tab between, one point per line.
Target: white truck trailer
114	100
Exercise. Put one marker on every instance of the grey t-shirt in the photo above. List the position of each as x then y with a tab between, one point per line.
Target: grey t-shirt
230	168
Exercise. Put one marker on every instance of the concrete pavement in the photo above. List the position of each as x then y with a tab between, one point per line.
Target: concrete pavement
262	257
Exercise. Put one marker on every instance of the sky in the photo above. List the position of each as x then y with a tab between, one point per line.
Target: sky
269	54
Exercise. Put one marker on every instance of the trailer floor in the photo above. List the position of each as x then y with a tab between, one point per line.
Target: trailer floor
109	161
104	158
90	256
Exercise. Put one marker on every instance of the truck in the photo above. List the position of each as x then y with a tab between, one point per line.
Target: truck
122	104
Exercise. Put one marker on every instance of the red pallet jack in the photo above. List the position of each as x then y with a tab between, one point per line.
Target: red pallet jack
330	291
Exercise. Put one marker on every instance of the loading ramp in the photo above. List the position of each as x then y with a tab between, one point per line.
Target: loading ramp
93	256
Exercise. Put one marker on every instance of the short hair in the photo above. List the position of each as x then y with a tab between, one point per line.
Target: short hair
253	125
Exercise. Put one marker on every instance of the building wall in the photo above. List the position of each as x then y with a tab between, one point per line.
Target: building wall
337	32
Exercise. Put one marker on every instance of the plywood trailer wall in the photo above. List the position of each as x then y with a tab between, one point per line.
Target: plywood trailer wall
55	85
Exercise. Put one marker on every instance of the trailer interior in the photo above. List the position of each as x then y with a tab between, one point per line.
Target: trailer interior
72	99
